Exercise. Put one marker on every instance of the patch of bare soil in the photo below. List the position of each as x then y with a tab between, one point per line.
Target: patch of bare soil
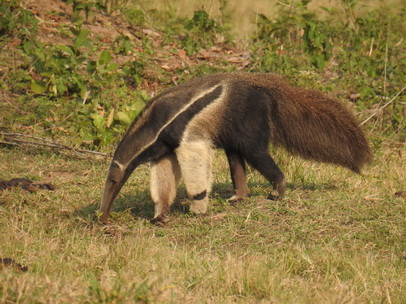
25	184
10	263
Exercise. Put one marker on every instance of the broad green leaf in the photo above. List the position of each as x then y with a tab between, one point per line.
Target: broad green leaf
61	86
64	48
98	121
112	67
82	40
84	92
138	105
91	67
134	114
123	118
105	57
38	87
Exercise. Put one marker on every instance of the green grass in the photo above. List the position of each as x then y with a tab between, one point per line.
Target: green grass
336	238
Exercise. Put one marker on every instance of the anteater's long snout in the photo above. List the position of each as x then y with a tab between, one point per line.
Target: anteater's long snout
114	182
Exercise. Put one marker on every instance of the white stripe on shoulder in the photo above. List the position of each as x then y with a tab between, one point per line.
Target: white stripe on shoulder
181	110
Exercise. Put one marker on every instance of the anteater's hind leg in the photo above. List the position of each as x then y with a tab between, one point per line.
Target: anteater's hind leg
238	176
195	163
165	176
263	162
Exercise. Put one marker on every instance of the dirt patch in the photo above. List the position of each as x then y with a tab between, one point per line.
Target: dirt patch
10	263
25	184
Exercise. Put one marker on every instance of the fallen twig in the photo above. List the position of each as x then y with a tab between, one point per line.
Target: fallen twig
384	106
19	139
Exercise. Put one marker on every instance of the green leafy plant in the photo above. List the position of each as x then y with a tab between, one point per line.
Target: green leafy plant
317	43
59	66
102	119
291	36
80	8
15	21
201	32
133	72
93	88
123	45
134	16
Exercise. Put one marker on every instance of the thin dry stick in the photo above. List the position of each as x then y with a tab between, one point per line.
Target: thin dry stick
290	7
384	106
284	4
6	99
385	72
13	139
386	60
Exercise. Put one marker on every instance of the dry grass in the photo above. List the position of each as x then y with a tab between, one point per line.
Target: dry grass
336	238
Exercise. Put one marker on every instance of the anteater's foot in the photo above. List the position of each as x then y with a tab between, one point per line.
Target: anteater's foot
236	198
199	207
278	191
160	220
104	219
273	197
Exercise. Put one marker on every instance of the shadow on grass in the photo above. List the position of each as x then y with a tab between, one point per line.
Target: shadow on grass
312	186
265	187
141	206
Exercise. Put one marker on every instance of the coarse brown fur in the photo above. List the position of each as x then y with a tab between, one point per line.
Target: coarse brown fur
315	126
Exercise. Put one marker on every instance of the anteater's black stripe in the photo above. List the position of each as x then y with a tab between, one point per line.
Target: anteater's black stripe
173	133
166	124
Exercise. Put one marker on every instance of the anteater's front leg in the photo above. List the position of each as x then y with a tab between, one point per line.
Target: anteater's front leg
195	163
165	176
238	176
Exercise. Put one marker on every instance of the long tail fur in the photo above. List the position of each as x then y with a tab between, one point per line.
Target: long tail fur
317	127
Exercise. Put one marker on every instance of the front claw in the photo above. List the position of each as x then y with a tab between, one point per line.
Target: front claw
278	191
160	220
274	197
235	199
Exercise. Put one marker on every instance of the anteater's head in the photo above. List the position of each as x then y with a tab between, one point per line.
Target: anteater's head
132	151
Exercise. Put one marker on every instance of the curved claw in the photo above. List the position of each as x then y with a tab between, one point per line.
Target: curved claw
278	187
160	220
235	199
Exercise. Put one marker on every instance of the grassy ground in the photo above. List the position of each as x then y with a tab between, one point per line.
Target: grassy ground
336	238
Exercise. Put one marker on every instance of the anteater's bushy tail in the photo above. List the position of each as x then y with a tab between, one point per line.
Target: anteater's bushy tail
317	127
